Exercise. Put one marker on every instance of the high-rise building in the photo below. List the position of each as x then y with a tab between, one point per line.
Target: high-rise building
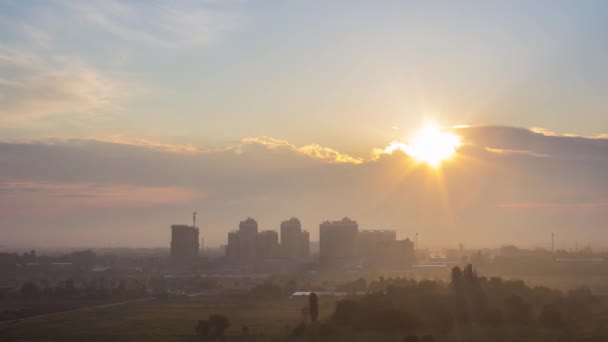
371	242
249	247
338	242
267	244
304	246
247	240
232	248
398	254
184	243
294	241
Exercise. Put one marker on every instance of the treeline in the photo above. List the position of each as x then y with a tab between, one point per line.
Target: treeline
31	290
471	308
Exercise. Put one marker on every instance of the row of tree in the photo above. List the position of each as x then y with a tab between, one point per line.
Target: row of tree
467	304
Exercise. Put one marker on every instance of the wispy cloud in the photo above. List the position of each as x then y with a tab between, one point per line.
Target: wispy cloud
314	151
516	152
146	143
180	24
57	198
554	205
544	131
37	36
34	86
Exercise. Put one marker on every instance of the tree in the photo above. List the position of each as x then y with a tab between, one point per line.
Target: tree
442	319
70	289
347	312
411	338
392	319
551	317
202	328
305	313
456	278
218	325
299	330
29	290
290	287
428	338
313	307
517	311
492	318
213	327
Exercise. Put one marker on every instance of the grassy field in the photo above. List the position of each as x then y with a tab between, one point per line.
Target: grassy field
165	320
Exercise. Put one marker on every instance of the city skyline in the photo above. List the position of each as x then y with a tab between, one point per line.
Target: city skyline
531	178
319	170
118	118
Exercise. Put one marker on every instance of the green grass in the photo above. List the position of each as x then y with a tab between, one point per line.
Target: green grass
164	320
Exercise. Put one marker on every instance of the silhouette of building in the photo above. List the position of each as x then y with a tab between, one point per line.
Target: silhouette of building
304	246
184	243
247	246
371	242
338	242
295	243
232	248
398	254
247	240
380	249
267	245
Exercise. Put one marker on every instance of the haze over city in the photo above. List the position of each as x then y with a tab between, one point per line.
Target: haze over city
288	171
118	119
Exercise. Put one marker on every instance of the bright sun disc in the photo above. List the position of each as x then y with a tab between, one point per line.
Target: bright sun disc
433	146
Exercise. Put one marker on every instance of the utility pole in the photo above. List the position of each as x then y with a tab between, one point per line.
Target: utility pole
194	219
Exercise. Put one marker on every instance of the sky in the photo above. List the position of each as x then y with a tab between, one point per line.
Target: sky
119	118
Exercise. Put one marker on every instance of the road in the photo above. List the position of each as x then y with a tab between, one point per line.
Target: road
196	294
80	309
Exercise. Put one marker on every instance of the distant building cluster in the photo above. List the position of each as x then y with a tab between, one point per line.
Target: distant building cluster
248	245
341	245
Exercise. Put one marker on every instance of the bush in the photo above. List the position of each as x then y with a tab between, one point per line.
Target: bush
411	338
492	318
428	338
214	327
299	330
551	317
29	290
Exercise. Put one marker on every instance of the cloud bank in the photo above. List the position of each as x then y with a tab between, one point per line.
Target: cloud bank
505	184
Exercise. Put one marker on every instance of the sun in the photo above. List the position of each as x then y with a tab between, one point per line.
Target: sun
432	146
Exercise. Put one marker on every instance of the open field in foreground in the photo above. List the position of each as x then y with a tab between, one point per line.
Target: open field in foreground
164	320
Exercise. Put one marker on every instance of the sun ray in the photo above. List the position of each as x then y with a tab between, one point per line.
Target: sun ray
432	146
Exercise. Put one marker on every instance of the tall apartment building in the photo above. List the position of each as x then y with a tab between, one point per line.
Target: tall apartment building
247	245
380	249
267	245
232	248
184	243
370	243
295	243
399	254
247	240
338	241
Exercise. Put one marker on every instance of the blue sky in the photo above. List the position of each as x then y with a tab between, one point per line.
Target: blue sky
207	72
253	90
